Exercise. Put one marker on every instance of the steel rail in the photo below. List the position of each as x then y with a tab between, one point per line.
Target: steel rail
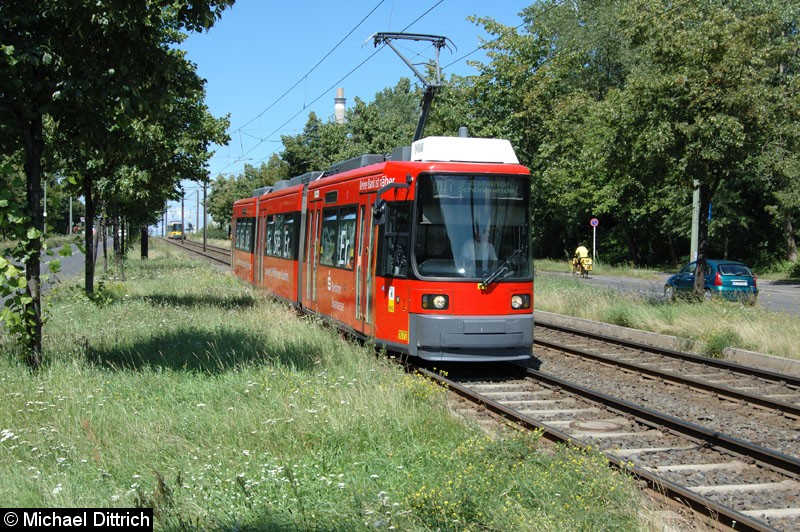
789	380
727	391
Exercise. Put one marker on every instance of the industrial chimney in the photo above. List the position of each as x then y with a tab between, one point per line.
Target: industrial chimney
338	106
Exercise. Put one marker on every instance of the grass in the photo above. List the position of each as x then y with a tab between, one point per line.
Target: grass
779	271
708	327
184	390
219	242
599	268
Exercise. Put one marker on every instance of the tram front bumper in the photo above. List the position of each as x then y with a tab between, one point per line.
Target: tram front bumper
471	338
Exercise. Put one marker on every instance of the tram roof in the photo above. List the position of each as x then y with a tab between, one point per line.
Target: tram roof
463	149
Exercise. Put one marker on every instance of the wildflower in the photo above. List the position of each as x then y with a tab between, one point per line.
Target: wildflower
57	489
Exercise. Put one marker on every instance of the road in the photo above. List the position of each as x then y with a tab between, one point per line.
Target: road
779	296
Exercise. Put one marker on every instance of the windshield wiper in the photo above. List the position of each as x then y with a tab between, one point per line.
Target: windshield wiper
500	270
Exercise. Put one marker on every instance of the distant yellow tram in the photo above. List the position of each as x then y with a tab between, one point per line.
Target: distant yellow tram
175	230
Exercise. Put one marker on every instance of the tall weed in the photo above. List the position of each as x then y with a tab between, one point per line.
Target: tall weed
745	327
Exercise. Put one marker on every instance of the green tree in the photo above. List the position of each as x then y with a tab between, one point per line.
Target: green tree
618	107
91	67
703	81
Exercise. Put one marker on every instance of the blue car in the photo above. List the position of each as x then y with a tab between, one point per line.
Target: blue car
725	279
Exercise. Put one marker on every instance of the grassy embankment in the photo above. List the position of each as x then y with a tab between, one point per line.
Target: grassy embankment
709	326
185	390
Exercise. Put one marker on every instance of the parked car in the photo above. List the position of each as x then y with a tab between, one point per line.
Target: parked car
725	279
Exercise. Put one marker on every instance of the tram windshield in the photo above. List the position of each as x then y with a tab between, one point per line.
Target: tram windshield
472	226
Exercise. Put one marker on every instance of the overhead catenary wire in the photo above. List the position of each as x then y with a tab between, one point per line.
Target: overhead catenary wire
305	76
262	140
304	108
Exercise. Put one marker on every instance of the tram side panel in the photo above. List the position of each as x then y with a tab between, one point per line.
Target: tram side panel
279	247
243	235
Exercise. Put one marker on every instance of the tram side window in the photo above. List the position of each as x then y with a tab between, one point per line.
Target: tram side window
281	236
277	236
328	245
291	235
347	235
287	250
269	236
394	246
244	234
338	237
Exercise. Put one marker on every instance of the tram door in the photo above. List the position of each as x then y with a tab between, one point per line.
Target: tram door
258	247
364	269
312	256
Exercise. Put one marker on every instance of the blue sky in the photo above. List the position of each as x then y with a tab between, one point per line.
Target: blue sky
261	49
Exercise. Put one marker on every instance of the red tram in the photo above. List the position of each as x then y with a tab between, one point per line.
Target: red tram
426	251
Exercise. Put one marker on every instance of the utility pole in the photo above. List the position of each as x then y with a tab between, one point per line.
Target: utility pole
695	220
205	214
44	224
183	224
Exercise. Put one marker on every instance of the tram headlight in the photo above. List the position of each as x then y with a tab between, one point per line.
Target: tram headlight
435	301
520	301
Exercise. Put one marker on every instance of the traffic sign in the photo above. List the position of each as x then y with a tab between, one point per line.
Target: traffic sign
594	222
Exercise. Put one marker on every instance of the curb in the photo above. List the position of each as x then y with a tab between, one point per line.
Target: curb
731	354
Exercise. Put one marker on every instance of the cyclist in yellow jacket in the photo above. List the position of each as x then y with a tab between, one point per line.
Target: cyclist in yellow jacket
580	253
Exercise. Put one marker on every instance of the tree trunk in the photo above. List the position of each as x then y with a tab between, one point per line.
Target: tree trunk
102	235
791	243
143	244
122	249
34	148
88	240
702	242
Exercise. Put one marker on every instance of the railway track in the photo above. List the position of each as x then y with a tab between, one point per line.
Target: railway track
216	254
750	404
718	437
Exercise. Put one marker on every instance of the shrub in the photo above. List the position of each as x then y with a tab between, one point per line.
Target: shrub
716	342
620	315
